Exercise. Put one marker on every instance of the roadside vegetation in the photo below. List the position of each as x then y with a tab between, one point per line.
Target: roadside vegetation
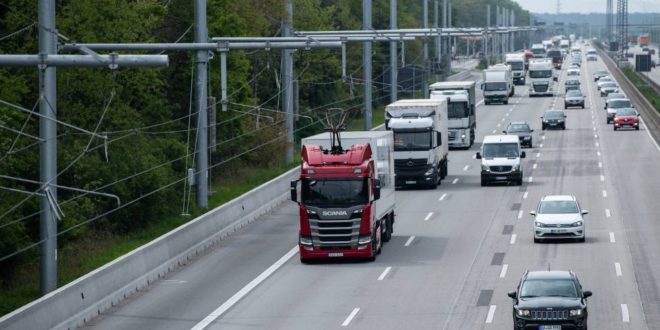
646	90
146	115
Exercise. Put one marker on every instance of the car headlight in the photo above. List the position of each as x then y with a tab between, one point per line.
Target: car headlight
430	171
560	120
575	312
524	312
485	168
577	224
539	224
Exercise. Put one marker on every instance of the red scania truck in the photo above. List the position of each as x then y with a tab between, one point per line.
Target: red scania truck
346	199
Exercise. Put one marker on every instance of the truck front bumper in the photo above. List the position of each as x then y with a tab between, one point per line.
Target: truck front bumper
403	180
488	177
310	252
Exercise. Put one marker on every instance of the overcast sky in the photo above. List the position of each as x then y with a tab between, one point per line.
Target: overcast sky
586	6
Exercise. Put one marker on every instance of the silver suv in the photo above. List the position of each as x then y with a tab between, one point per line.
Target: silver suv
559	217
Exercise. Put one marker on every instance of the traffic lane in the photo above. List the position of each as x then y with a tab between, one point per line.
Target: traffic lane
187	295
577	177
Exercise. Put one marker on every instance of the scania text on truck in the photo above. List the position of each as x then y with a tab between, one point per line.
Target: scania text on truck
497	84
538	50
420	154
461	110
517	63
346	202
541	78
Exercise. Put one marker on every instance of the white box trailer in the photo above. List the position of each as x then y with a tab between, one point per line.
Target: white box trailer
461	110
421	145
517	63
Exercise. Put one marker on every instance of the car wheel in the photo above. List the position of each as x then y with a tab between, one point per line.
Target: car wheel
530	144
506	102
614	127
563	127
583	106
637	128
565	107
483	183
537	240
583	239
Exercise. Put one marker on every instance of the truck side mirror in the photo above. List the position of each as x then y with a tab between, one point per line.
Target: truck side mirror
294	191
439	138
377	189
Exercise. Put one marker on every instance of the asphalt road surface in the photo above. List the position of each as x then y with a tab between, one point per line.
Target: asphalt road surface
457	250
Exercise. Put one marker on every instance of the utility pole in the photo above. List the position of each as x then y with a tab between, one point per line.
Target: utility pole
425	45
48	148
366	63
201	97
446	42
394	84
487	44
287	82
438	39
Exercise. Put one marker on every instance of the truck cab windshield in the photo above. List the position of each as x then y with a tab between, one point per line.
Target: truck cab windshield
500	150
540	74
335	192
458	110
412	141
495	86
516	65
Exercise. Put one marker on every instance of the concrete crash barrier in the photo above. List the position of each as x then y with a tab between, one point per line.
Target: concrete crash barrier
82	300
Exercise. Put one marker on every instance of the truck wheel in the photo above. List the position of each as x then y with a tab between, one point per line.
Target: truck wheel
445	168
387	234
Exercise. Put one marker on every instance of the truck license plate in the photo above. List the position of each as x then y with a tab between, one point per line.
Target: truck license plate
549	327
335	254
411	182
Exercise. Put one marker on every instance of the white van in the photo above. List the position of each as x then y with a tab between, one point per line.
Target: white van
501	159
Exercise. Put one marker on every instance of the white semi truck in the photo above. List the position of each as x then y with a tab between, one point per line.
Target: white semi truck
541	77
461	110
420	141
517	63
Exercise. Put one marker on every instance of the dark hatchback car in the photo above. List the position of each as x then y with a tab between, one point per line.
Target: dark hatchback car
553	118
549	300
523	131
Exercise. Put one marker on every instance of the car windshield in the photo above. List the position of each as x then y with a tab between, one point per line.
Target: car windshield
411	141
500	150
495	86
609	84
558	207
548	288
612	96
458	110
574	93
600	73
553	114
572	82
516	128
626	112
516	65
615	104
540	74
604	79
334	192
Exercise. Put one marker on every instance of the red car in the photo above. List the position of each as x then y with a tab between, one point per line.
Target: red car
626	117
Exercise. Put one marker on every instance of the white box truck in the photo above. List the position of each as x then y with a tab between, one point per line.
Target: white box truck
462	113
497	84
421	148
517	63
538	50
541	77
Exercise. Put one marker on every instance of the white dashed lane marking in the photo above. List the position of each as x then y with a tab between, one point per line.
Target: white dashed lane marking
384	273
612	239
442	197
617	269
350	317
604	193
625	316
608	213
504	269
520	214
428	216
513	239
491	314
455	180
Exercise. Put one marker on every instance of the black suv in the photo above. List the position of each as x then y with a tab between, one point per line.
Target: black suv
549	300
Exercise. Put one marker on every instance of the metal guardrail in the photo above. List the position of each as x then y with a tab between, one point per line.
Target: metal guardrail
650	116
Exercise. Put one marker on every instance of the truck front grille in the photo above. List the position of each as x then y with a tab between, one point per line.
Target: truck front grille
410	166
500	169
333	233
540	88
549	315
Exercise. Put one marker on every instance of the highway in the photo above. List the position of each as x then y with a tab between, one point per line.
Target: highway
457	250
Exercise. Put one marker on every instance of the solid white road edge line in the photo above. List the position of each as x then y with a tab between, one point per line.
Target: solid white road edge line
428	216
617	269
624	313
491	314
385	272
504	269
649	134
350	317
513	239
245	290
443	197
409	241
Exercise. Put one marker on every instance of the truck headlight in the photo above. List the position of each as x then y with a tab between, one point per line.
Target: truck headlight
523	312
462	136
577	224
305	240
516	167
575	312
364	239
485	168
430	171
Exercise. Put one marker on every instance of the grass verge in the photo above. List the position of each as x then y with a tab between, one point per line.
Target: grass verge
643	88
